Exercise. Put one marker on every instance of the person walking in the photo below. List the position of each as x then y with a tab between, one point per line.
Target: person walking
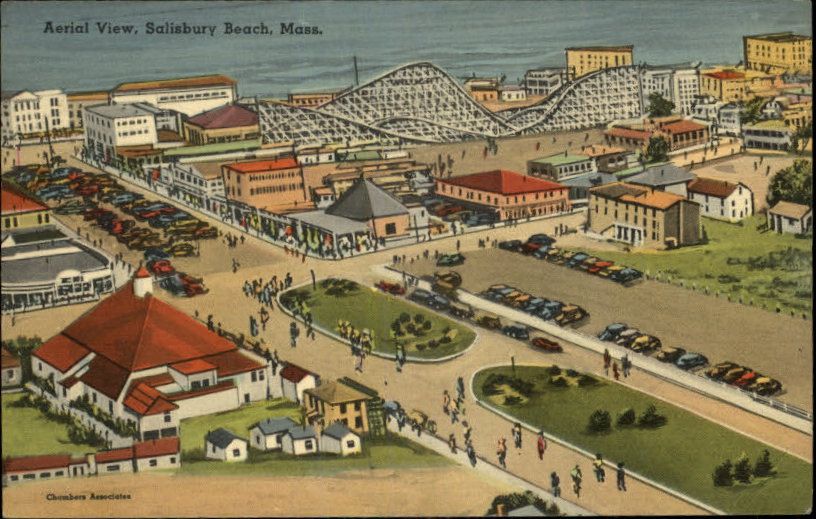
607	360
615	372
501	452
468	431
621	477
555	484
542	445
577	478
452	443
454	413
598	468
294	331
626	364
446	401
517	435
471	454
360	357
460	388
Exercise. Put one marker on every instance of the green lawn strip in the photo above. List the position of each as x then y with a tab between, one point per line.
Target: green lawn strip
369	308
681	455
26	432
788	284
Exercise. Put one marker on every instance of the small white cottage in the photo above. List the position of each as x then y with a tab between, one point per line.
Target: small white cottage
224	445
267	435
339	439
300	440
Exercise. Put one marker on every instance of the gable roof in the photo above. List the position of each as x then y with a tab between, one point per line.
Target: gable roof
682	127
337	431
712	187
336	393
28	463
257	166
230	116
301	432
13	201
186	82
191	367
294	373
9	360
147	401
106	377
503	182
635	194
221	437
61	352
790	209
662	176
275	425
110	456
364	201
160	447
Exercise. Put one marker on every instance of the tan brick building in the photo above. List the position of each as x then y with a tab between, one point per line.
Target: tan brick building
584	60
275	185
333	402
778	53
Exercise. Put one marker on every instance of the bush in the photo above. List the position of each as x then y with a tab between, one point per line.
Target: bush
445	340
554	370
559	382
572	373
427	325
518	500
410	328
404	317
764	467
650	419
432	343
722	475
420	346
742	469
522	386
512	400
626	418
728	278
586	380
599	421
419	318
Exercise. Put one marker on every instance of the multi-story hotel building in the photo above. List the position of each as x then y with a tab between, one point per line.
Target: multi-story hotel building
779	53
108	127
190	96
275	185
583	60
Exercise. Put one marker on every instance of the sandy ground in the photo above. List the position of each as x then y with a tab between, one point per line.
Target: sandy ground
440	492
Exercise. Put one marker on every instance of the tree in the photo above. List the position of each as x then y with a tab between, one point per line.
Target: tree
651	419
599	421
792	184
657	150
752	110
742	469
627	417
659	106
722	475
763	466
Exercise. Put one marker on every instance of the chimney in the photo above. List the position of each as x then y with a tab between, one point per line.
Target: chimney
142	282
500	510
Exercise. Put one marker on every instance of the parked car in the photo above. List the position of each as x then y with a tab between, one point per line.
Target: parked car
124	198
155	254
420	295
625	276
627	336
546	345
73	207
516	331
644	344
570	314
718	371
667	354
121	226
391	288
733	374
488	320
541	238
450	260
460	310
161	268
438	302
599	266
447	210
550	310
765	386
531	306
541	252
511	245
746	379
576	260
180	249
588	263
479	219
612	331
689	361
531	247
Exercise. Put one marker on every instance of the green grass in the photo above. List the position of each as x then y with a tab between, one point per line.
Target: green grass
220	147
27	432
368	308
722	265
681	455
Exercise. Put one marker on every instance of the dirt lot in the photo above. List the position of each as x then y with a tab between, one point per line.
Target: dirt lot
778	346
440	492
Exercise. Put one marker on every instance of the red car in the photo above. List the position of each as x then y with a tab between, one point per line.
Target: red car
391	288
121	226
746	379
599	266
531	247
87	190
546	345
93	214
161	268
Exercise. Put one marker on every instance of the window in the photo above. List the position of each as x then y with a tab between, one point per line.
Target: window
236	453
110	407
309	445
173	460
261	375
153	463
342	408
59	473
14	478
350	444
356	406
29	476
45	474
254	376
358	422
167	418
390	228
112	468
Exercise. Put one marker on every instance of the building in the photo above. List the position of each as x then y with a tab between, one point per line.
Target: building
31	114
629	138
677	132
544	81
772	134
275	185
339	439
223	124
640	216
779	53
198	183
115	461
584	60
609	159
729	119
579	186
684	134
510	93
77	101
166	119
299	440
561	166
12	369
224	445
396	176
155	368
43	268
383	214
508	194
733	85
267	435
483	89
38	468
667	177
336	402
110	127
314	99
788	217
706	108
722	200
375	406
295	380
677	83
190	95
21	211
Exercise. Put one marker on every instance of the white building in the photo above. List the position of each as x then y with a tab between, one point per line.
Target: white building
512	93
729	119
107	127
721	199
190	96
295	380
300	440
30	113
223	445
677	83
544	81
788	217
267	435
339	439
197	182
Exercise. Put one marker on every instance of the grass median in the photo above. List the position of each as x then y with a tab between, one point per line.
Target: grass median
681	453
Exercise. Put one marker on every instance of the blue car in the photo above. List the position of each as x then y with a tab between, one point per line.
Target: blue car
541	252
161	221
550	310
124	198
691	361
153	253
612	331
541	238
532	306
62	172
420	296
516	331
438	302
577	260
52	192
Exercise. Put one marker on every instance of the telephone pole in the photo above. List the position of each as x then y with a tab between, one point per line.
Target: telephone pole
356	74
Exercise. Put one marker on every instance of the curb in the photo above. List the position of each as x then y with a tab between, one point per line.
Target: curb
583	452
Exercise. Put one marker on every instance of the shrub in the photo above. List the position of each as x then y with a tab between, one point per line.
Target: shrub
742	469
627	417
419	318
572	373
559	382
763	466
650	419
554	370
599	421
420	346
728	278
427	325
586	380
404	317
432	343
522	386
511	400
518	500
445	340
722	475
410	328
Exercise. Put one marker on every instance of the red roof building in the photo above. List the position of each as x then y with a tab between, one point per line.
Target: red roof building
13	202
508	194
223	124
275	185
32	463
294	373
259	166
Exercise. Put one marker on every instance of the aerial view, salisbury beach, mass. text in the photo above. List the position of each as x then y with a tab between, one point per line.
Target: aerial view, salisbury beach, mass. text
458	258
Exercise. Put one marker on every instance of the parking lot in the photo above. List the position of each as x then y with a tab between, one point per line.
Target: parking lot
776	345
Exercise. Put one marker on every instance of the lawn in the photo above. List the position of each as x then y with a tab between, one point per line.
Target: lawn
739	261
27	432
366	307
682	454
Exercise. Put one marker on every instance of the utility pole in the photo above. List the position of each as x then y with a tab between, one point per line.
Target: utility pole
356	74
48	136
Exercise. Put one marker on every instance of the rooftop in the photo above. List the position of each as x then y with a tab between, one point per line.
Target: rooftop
601	48
559	159
275	425
294	373
790	209
300	432
503	182
9	360
115	111
769	124
208	170
191	367
336	393
780	37
46	267
336	224
634	194
230	116
661	176
628	133
221	438
88	96
30	463
682	127
14	201
725	74
337	431
187	82
262	165
712	187
364	201
211	149
600	150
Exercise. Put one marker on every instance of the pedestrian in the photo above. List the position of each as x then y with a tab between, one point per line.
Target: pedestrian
360	357
517	435
452	443
210	326
471	454
615	372
555	483
460	388
577	477
621	477
294	331
468	430
625	364
454	413
446	401
598	467
542	445
501	452
607	360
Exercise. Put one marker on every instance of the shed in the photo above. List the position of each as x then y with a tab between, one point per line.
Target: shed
224	445
268	434
339	439
300	440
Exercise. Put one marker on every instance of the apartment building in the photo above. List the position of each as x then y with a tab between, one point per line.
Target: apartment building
734	85
108	127
79	100
30	114
544	81
275	185
334	402
779	53
561	166
584	60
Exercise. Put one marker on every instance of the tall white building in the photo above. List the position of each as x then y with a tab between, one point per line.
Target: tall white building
108	127
190	96
677	83
29	113
544	81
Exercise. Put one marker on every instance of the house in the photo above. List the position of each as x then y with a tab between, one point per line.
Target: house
721	199
336	402
668	177
684	134
339	439
788	217
642	216
12	369
295	380
507	194
509	93
608	159
154	368
37	468
164	453
116	461
20	211
268	434
223	445
299	440
772	134
365	202
223	124
561	166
